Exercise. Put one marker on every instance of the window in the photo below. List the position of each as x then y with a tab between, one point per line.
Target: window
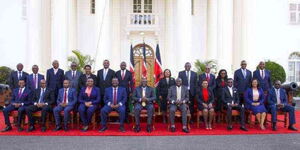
142	6
294	67
294	12
93	6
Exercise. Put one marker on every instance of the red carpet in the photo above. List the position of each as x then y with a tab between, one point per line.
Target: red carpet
160	130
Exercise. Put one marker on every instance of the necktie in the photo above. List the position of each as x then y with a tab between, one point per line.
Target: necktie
104	74
42	96
207	77
115	96
144	92
20	75
73	74
123	75
244	73
278	96
178	93
262	74
188	77
20	92
65	96
35	81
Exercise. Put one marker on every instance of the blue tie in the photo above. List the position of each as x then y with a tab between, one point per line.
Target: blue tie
41	100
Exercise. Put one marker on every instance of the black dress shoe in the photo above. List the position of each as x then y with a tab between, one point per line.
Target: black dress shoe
7	128
292	128
229	127
85	128
66	128
274	127
103	129
149	128
43	129
137	128
185	130
243	128
122	128
57	128
173	129
30	129
20	129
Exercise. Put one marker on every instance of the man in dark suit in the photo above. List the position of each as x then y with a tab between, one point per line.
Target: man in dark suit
189	79
230	97
209	77
104	78
125	80
277	100
55	77
43	99
143	97
73	76
33	80
242	80
15	76
88	74
20	100
178	97
263	76
66	100
114	99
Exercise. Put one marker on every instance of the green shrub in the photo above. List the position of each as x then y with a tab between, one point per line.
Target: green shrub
4	74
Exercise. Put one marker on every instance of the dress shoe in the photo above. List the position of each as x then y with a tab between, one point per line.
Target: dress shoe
103	129
292	128
43	129
243	128
66	128
137	128
274	127
57	128
185	130
122	129
149	128
173	129
85	128
20	129
7	128
30	129
229	127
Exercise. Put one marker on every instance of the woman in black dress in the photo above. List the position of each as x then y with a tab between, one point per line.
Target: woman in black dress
221	83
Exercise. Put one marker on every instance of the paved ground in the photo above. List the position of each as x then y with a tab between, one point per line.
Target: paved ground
238	142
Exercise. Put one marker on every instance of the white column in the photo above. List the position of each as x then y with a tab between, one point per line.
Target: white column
45	36
225	34
212	29
116	52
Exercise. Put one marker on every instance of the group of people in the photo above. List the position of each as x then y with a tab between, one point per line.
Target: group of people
111	91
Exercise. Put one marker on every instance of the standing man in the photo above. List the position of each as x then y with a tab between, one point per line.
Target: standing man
263	76
143	97
73	76
277	100
189	79
84	77
33	80
114	99
15	76
20	100
242	80
43	99
66	100
55	77
104	78
209	77
178	97
125	80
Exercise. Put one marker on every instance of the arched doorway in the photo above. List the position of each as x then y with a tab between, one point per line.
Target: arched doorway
138	61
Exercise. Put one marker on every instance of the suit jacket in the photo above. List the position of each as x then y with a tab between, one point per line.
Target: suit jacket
49	96
55	81
228	98
193	81
272	98
240	82
172	94
163	86
121	96
95	96
83	79
265	83
211	83
149	94
30	81
248	96
219	87
14	80
127	82
74	82
72	96
25	97
104	83
211	98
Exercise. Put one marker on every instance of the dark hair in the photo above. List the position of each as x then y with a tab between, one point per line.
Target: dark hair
87	66
165	72
258	84
219	74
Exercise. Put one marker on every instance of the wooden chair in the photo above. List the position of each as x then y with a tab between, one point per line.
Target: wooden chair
281	113
178	115
14	114
143	114
73	115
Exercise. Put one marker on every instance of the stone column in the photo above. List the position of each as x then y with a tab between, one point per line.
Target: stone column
212	29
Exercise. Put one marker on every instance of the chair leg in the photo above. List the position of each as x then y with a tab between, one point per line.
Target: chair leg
285	120
198	120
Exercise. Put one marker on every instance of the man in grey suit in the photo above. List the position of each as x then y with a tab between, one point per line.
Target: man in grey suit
73	76
178	97
143	97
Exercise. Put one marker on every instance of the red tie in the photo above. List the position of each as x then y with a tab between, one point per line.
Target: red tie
123	75
65	97
115	96
207	77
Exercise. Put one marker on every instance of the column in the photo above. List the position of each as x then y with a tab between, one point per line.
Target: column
212	29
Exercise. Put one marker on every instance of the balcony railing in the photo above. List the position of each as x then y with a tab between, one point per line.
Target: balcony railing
142	19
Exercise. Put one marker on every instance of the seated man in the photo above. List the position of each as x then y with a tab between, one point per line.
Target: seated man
143	97
66	101
115	98
43	99
231	101
20	100
277	100
178	97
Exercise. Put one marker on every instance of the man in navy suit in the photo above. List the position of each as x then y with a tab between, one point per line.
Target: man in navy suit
104	78
114	99
277	100
73	76
20	101
242	80
189	79
55	77
125	80
67	98
15	76
33	80
210	78
263	76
